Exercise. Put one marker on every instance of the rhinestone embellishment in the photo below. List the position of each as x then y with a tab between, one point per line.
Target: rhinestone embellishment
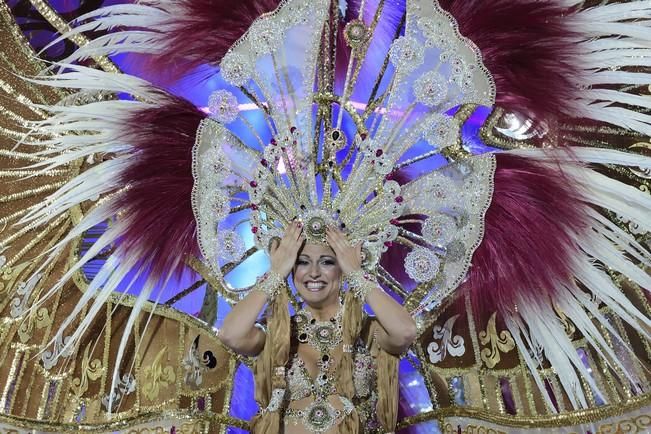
232	245
441	131
336	139
316	227
422	264
321	415
356	33
223	106
406	54
439	229
431	89
236	69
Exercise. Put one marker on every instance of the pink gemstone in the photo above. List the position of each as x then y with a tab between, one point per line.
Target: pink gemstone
264	162
253	184
292	129
254	229
399	199
389	177
254	207
379	153
363	136
273	142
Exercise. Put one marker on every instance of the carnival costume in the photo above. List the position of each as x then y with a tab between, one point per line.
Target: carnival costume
520	247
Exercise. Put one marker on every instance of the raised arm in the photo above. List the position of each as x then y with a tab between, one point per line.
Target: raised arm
397	329
239	331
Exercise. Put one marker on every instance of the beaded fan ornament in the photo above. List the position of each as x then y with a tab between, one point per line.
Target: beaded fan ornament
298	161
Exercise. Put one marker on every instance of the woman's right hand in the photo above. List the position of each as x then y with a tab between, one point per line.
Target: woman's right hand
283	253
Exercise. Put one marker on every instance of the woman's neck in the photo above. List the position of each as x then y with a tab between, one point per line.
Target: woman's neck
324	313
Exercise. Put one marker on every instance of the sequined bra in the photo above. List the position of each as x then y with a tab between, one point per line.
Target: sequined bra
301	385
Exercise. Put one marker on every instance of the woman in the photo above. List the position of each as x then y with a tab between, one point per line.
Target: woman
333	354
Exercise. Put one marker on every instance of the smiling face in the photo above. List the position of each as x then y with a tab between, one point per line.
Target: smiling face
317	276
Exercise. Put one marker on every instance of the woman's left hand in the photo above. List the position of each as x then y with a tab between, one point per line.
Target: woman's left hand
348	256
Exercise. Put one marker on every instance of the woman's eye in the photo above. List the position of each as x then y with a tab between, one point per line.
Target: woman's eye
299	262
328	262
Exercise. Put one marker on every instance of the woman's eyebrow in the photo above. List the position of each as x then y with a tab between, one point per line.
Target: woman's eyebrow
303	255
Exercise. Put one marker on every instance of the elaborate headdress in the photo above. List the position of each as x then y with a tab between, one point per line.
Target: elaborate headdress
326	151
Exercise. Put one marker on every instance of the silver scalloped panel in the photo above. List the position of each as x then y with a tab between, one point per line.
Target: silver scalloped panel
462	192
219	163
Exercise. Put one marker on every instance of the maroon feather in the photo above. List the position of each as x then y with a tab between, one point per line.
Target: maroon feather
201	32
157	203
529	228
528	47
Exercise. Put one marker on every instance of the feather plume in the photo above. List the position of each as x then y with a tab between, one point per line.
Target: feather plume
548	59
529	50
145	183
201	31
534	209
544	237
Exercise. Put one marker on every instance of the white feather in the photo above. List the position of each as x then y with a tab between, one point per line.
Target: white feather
605	243
123	9
586	155
613	195
602	286
107	23
519	331
90	184
95	216
621	239
603	250
618	77
128	41
620	97
546	328
143	297
618	37
106	239
612	44
615	58
618	11
608	29
112	273
570	3
85	78
594	337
